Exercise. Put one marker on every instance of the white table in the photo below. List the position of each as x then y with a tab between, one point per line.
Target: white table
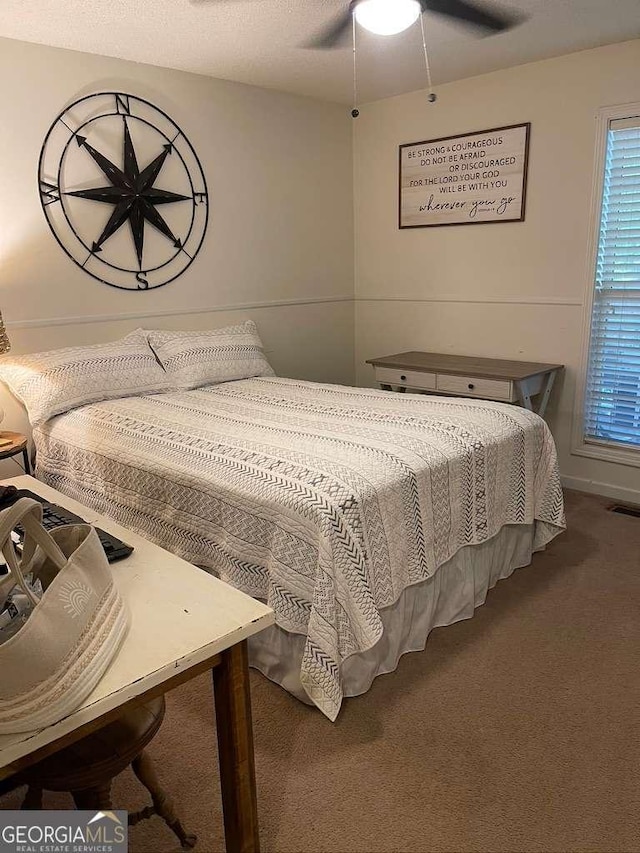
466	376
184	621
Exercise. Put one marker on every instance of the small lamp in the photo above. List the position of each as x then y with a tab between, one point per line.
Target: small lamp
5	346
5	343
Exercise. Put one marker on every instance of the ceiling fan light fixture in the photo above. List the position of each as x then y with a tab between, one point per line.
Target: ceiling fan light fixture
387	17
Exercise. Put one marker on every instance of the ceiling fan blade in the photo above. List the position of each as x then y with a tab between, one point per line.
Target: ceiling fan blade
469	12
335	33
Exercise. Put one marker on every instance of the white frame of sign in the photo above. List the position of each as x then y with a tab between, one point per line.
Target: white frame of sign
463	179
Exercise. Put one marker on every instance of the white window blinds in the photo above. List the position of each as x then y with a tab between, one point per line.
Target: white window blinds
612	412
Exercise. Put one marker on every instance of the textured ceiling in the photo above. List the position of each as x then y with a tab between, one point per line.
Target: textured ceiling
257	41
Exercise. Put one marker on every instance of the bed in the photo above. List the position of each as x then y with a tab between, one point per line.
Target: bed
363	518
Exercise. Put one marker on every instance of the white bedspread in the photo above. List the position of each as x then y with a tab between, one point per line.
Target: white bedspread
325	501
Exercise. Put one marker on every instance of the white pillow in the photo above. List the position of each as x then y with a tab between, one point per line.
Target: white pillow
192	359
49	383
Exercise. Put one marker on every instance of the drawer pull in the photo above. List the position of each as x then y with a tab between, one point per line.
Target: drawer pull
403	378
471	386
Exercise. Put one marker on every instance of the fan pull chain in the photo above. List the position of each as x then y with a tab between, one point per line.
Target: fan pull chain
432	95
355	112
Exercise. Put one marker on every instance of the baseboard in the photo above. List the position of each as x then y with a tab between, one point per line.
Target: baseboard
608	490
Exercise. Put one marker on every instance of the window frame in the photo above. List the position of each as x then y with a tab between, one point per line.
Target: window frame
580	447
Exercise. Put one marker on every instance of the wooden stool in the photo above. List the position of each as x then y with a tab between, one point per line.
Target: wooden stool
87	768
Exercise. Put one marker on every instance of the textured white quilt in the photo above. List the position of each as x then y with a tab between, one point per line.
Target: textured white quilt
323	500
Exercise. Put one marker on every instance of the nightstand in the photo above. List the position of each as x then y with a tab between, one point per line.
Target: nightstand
12	443
465	376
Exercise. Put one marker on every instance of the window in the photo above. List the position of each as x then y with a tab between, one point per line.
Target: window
612	394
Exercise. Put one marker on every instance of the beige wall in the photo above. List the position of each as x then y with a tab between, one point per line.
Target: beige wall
514	290
279	247
280	241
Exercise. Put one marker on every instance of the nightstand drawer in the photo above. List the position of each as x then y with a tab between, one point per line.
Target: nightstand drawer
471	386
408	378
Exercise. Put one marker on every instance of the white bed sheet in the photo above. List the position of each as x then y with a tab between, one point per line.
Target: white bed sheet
448	596
327	502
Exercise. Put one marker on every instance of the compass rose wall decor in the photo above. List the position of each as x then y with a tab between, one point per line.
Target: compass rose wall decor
123	191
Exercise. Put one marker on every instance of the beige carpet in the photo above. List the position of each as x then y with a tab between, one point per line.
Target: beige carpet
517	730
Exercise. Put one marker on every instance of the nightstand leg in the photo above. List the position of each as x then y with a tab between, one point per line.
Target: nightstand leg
525	401
27	464
544	399
524	393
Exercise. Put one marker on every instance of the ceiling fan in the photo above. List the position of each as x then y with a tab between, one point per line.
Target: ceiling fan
387	17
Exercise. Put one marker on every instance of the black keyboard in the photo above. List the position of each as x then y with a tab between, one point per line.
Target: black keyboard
55	516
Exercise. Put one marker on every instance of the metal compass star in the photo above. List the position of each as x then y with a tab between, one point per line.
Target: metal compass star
132	193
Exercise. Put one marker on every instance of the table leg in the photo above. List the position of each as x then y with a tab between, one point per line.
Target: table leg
25	457
544	399
525	387
522	387
235	749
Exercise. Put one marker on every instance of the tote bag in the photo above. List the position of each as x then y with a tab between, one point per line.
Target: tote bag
75	630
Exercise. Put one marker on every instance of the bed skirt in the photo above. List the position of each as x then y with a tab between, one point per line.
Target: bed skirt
450	595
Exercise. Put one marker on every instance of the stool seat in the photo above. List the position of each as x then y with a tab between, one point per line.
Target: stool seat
87	768
103	754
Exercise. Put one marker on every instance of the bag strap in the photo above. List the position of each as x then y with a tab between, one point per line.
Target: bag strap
28	513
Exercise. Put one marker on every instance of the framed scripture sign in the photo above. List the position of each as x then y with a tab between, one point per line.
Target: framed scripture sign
470	179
